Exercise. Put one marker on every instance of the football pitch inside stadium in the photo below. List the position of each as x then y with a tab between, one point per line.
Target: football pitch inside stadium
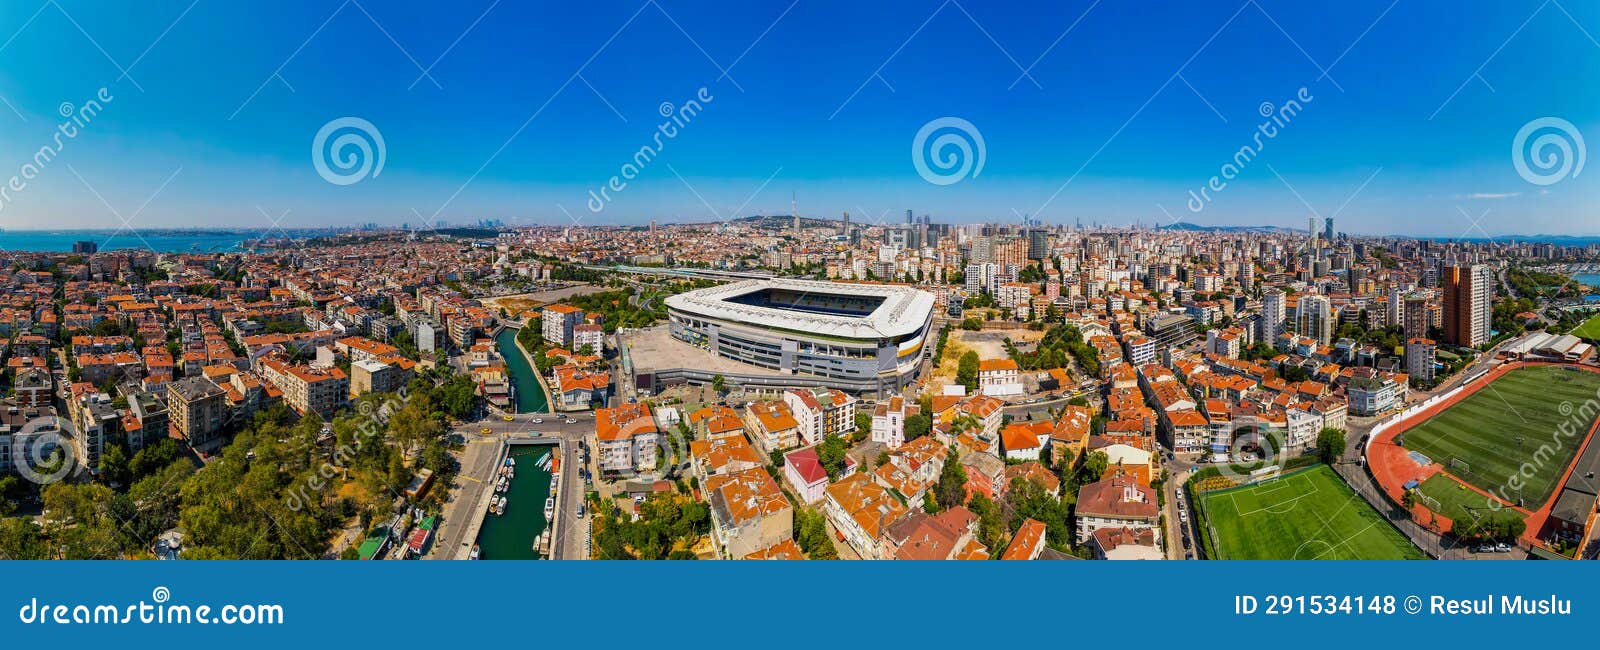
1511	427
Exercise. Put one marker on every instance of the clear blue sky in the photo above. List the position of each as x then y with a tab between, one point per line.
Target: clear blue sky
800	106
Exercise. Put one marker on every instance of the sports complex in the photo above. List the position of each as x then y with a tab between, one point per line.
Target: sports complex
1305	514
781	333
1514	444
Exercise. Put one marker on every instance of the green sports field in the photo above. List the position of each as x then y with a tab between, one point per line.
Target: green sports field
1477	438
1468	509
1590	329
1305	515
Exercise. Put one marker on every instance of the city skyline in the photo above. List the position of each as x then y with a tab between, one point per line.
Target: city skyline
1086	112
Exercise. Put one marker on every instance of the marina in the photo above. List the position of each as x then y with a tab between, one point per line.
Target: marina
518	516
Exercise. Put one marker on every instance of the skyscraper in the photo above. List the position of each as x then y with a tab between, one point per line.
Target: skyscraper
1272	313
1468	294
1314	318
1327	229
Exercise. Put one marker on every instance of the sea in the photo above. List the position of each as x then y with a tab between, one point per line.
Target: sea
160	241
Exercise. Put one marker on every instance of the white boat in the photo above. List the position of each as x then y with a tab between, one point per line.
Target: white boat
500	506
549	507
476	554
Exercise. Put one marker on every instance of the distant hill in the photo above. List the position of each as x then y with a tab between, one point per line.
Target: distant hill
1185	226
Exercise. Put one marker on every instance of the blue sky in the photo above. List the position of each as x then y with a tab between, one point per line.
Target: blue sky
527	106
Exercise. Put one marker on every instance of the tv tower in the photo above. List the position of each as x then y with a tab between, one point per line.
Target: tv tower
794	209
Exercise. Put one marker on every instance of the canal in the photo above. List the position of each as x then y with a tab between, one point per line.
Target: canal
530	397
515	535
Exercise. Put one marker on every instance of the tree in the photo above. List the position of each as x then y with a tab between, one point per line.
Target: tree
719	384
459	396
115	467
951	489
831	453
967	371
1330	445
991	525
811	533
1094	466
918	425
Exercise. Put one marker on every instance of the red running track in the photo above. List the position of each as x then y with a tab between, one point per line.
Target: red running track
1392	465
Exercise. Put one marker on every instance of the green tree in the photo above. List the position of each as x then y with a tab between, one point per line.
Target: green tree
115	466
1095	464
967	371
831	453
1330	445
951	488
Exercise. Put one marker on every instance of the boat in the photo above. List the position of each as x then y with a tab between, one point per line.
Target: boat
476	553
549	507
500	506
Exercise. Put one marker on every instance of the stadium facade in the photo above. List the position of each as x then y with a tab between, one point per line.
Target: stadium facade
863	338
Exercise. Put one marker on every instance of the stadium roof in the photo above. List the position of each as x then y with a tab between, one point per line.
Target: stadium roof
903	311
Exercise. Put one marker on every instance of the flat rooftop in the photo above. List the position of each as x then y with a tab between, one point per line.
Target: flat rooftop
899	310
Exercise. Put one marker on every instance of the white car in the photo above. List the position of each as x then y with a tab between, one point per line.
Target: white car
571	421
538	420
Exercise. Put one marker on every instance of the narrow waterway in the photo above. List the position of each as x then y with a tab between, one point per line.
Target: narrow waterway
515	535
530	398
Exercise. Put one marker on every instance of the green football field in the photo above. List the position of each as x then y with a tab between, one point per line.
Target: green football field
1468	509
1477	439
1590	329
1306	515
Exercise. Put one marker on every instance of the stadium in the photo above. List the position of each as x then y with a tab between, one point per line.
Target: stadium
780	333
